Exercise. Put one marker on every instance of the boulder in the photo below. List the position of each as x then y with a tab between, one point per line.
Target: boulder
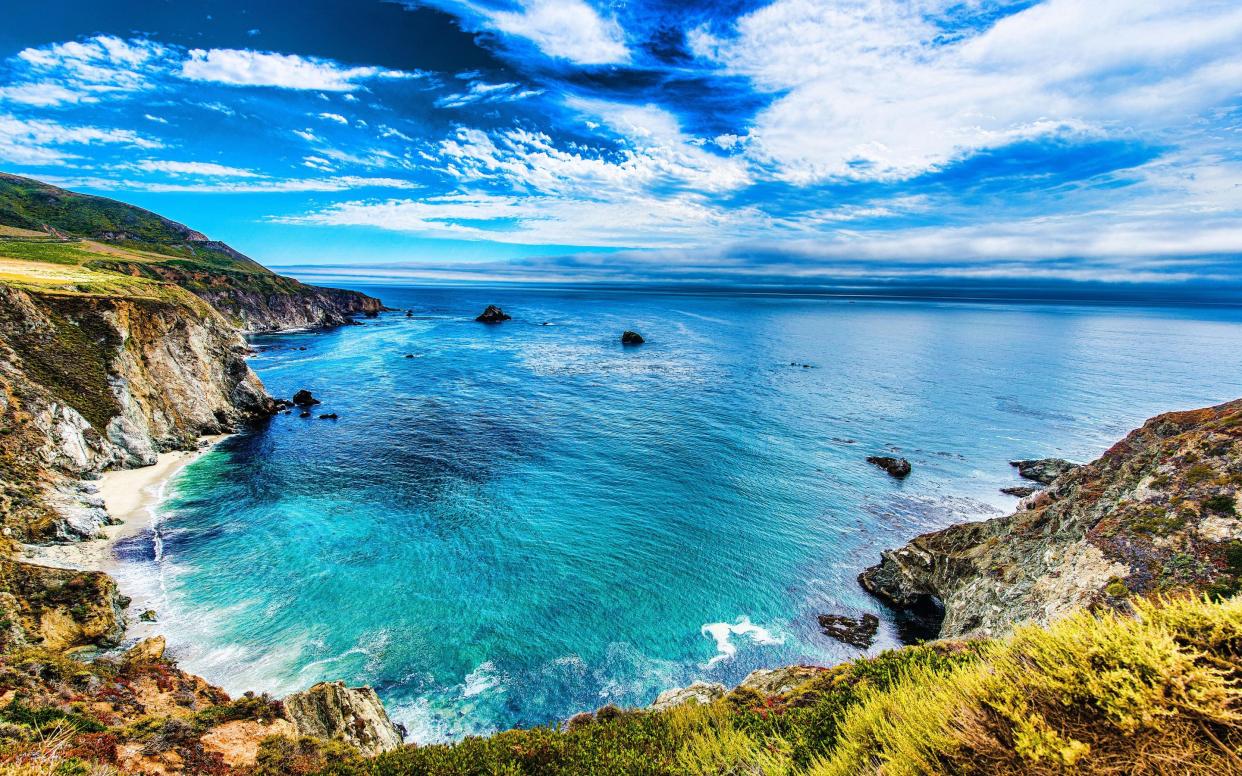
699	692
1021	491
493	314
856	632
1043	470
146	651
329	416
351	714
896	467
147	616
631	338
304	398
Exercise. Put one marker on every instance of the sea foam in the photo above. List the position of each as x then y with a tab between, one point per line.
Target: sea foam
723	632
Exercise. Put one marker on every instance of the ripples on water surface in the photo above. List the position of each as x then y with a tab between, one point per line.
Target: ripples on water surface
525	521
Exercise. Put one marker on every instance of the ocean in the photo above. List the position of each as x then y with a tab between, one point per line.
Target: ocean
510	524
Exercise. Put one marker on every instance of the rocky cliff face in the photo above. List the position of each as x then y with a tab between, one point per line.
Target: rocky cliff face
58	609
352	714
1158	512
256	301
94	382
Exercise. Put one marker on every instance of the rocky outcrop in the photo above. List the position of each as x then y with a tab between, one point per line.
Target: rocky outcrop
352	714
1157	513
1042	470
493	314
698	692
896	467
58	609
631	338
95	382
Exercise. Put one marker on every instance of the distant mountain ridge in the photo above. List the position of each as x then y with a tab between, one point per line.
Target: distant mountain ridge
42	222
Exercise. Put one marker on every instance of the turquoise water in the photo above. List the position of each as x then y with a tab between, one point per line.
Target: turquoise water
525	521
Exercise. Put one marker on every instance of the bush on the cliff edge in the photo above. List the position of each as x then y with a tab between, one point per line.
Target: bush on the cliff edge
1153	694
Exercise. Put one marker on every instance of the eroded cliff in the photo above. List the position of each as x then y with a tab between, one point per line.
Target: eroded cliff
1157	513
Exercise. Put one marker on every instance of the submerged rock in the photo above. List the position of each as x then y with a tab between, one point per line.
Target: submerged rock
699	692
493	314
304	398
631	338
896	467
351	714
856	632
1043	470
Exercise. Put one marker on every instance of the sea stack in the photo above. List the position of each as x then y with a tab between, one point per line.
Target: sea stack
304	398
631	338
896	467
493	314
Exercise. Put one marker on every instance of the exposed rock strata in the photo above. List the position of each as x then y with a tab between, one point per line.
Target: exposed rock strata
89	383
352	714
1158	512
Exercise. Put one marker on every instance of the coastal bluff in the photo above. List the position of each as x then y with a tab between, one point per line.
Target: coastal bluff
1158	513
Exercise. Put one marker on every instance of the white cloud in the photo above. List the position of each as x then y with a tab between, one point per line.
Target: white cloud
156	119
564	29
205	169
36	141
82	71
307	135
868	90
242	67
338	118
256	186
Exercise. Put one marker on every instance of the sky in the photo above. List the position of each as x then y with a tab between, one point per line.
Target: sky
792	142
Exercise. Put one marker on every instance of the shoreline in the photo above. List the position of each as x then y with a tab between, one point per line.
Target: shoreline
132	498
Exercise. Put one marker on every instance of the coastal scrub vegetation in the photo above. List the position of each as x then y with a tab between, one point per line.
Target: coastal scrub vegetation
1102	693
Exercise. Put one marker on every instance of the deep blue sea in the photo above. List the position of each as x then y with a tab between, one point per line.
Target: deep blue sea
523	521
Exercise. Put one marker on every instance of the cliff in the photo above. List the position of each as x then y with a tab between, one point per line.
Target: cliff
1156	514
40	223
90	382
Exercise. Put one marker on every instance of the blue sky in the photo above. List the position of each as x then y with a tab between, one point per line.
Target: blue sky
794	142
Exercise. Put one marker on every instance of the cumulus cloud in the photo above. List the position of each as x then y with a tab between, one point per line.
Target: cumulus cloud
81	71
243	67
870	90
570	30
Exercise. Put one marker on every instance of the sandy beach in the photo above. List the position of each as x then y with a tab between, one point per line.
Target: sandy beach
130	496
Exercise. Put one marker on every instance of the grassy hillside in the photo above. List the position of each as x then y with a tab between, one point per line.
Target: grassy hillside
54	241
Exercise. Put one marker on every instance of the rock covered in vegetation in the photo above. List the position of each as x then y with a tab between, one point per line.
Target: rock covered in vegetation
493	314
896	467
58	609
330	710
1157	513
698	692
858	632
631	338
1042	470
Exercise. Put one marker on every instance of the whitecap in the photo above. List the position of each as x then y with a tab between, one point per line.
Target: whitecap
482	679
722	633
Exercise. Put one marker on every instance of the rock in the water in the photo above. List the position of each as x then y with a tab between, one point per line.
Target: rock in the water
859	633
329	416
1043	470
493	314
304	398
896	467
147	616
409	355
304	414
1021	491
631	338
698	692
409	313
351	714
